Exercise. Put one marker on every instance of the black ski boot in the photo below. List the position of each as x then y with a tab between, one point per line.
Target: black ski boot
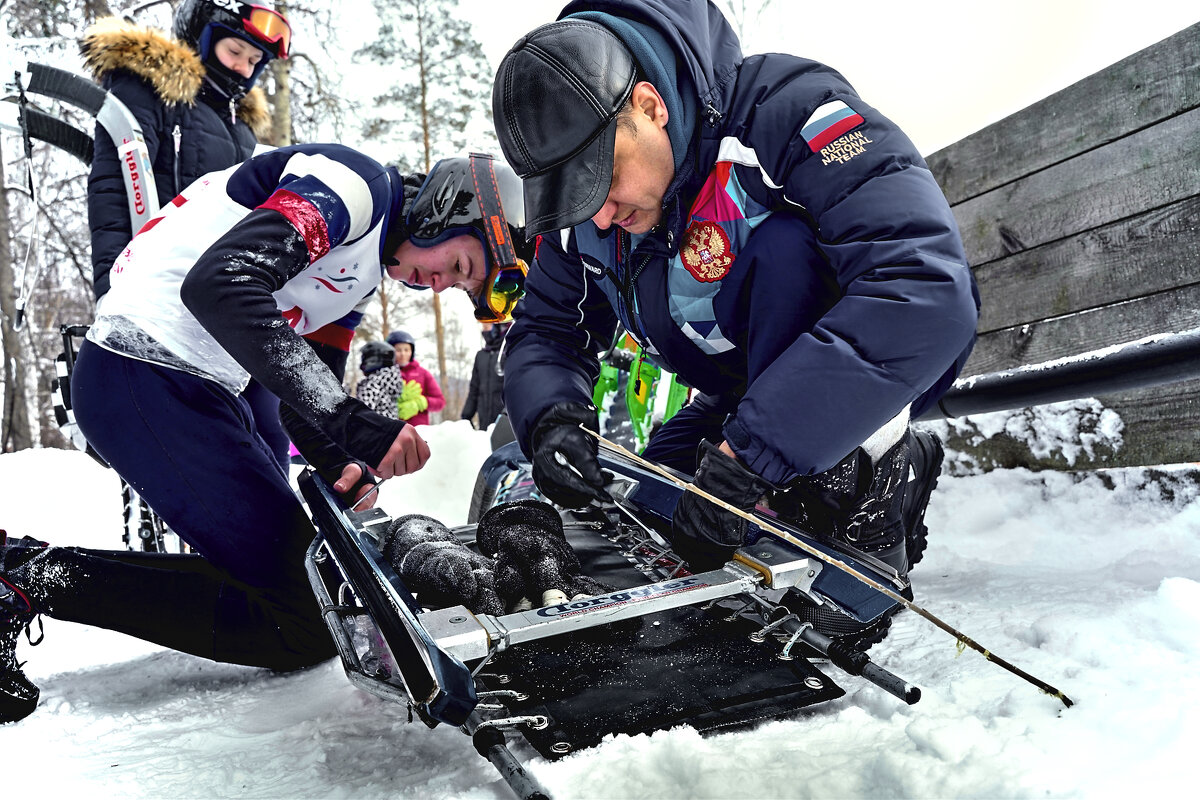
18	696
925	465
878	511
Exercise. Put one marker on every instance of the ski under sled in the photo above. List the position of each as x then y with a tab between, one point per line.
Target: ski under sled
713	650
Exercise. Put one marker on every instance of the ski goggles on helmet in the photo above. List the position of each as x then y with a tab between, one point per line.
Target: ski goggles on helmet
269	26
500	292
505	284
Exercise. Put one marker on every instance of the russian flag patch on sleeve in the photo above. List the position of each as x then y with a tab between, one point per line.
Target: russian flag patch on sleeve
829	122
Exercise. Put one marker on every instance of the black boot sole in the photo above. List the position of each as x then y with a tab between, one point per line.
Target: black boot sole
930	457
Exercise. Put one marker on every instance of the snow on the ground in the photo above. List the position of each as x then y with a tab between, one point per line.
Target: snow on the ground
1090	583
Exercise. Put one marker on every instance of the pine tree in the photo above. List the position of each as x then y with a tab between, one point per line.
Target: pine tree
441	104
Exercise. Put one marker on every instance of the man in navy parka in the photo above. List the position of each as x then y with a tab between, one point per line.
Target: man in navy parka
761	232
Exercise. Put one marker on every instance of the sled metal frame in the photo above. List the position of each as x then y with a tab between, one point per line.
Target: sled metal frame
469	636
343	560
420	657
438	685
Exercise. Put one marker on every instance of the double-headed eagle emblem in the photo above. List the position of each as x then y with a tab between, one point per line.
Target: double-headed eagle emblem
705	251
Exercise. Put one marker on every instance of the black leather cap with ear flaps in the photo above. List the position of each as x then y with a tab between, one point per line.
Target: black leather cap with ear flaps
555	101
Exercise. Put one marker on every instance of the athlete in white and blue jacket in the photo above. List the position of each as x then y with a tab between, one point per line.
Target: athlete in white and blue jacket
259	271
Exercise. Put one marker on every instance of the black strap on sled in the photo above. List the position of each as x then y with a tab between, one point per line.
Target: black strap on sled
39	125
120	124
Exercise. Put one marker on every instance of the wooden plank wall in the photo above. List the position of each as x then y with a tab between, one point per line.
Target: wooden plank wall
1081	219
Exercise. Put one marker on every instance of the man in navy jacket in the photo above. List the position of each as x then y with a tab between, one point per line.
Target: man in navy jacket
761	232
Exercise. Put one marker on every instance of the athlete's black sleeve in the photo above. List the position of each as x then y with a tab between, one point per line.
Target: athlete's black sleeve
229	290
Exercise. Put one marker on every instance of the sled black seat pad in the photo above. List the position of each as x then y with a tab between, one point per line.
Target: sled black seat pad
684	666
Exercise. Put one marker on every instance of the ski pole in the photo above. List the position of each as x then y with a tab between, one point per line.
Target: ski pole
962	638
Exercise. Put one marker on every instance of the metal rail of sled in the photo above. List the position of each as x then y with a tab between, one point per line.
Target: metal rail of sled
436	683
440	687
428	651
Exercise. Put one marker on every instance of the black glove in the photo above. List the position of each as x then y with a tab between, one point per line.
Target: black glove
702	532
534	561
557	435
433	563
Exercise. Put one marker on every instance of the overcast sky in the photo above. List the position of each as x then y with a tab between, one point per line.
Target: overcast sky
941	69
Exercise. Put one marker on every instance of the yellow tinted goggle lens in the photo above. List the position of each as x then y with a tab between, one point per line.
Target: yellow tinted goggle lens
501	296
507	289
271	27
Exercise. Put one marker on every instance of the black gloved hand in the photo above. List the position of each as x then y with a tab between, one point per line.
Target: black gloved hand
534	561
433	563
702	532
558	438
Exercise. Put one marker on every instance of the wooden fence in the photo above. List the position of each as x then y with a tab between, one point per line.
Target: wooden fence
1081	219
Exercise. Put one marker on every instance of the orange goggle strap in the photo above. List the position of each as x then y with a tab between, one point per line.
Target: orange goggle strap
487	194
269	25
495	228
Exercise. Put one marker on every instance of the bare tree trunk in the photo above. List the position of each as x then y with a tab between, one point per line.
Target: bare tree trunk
438	328
385	302
15	433
281	98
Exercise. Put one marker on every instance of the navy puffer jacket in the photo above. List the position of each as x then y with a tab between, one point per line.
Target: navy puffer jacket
189	128
808	269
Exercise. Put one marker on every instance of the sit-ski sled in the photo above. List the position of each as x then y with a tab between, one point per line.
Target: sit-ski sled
712	650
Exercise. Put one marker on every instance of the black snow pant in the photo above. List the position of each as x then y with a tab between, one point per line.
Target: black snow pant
191	449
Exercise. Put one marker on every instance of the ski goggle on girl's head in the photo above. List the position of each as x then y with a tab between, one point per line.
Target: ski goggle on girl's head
268	25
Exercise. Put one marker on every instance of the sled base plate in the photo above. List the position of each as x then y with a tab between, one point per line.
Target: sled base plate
684	666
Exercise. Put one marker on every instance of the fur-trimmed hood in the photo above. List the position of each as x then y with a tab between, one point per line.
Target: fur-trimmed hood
172	67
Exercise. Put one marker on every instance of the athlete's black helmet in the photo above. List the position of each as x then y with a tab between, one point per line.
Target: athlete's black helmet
201	23
478	195
375	355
